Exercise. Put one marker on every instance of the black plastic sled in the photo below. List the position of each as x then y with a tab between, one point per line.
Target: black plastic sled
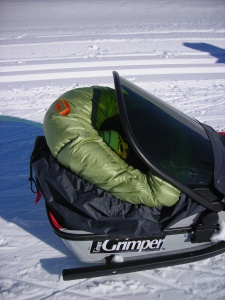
113	236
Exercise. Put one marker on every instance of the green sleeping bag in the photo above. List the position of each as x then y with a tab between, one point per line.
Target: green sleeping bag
72	130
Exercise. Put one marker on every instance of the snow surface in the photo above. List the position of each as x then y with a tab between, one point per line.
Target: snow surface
173	49
219	236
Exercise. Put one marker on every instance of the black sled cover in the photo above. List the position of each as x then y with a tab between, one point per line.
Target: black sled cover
79	205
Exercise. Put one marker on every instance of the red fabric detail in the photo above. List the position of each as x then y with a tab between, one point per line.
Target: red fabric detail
58	106
54	221
38	197
222	133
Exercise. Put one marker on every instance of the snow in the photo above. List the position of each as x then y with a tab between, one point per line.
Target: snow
173	49
117	259
219	236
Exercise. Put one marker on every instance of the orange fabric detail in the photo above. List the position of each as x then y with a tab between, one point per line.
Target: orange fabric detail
58	106
64	112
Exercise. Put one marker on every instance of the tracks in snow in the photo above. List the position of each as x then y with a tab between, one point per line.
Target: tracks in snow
182	68
34	71
90	58
107	73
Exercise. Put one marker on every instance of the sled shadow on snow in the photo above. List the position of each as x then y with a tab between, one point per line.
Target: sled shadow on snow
18	202
217	52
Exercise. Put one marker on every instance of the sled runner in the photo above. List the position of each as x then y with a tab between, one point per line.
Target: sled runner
129	182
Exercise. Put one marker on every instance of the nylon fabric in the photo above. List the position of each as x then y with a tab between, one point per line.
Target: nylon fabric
80	205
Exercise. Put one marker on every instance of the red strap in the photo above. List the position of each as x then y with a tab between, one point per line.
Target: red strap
38	197
54	221
222	133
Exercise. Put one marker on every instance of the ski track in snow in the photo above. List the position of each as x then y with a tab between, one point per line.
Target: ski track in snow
39	64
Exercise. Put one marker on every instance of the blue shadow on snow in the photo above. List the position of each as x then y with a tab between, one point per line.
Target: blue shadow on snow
214	51
17	201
